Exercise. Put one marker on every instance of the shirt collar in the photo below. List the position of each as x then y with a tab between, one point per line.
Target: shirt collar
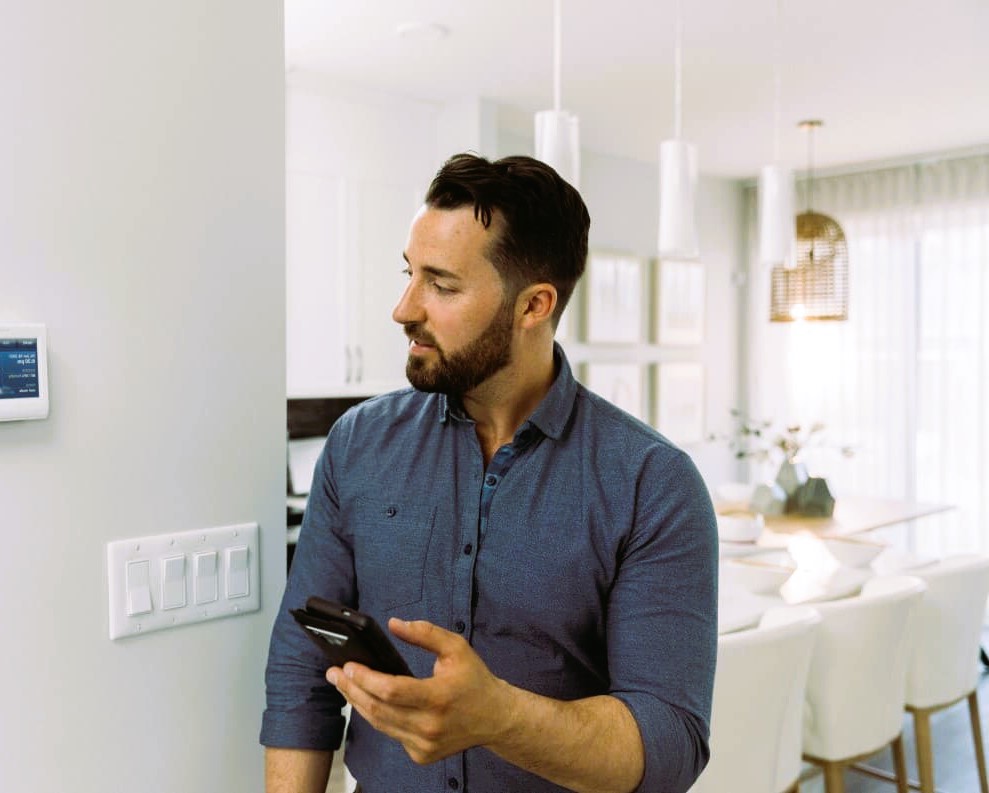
552	414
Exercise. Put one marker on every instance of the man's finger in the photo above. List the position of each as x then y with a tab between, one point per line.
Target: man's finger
398	690
425	635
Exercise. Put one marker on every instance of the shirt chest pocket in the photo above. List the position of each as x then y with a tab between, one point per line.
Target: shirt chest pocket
391	541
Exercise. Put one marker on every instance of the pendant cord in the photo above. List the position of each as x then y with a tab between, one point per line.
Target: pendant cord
557	47
777	82
678	74
810	167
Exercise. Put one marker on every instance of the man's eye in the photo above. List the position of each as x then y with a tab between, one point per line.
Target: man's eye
443	290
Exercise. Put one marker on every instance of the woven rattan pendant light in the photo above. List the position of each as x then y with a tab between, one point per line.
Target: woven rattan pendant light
816	287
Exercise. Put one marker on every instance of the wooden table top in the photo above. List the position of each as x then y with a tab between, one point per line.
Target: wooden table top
855	514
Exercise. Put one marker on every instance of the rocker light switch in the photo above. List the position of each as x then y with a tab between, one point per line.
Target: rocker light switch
173	582
138	587
204	577
238	580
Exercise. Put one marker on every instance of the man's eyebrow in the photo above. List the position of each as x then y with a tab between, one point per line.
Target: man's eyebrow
439	272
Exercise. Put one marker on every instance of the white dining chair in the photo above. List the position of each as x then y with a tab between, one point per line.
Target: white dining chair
856	689
758	693
943	668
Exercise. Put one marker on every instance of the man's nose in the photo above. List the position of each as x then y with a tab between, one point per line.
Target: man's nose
408	309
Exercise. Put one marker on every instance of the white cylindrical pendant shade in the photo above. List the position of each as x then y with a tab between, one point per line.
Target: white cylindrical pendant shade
777	223
677	200
558	143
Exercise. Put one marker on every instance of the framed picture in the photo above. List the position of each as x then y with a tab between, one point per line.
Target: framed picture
680	298
614	297
680	401
619	383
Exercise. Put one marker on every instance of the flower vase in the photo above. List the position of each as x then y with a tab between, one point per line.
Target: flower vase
805	495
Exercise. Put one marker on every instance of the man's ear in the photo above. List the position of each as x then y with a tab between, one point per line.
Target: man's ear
535	304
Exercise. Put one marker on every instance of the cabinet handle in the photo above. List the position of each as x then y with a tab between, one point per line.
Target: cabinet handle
346	349
360	365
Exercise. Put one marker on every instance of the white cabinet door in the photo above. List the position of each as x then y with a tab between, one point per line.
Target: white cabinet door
344	244
316	328
383	213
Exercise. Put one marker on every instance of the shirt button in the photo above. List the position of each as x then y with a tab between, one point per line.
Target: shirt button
468	548
452	783
390	512
491	480
460	626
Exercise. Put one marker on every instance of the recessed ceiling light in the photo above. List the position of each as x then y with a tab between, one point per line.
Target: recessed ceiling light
422	31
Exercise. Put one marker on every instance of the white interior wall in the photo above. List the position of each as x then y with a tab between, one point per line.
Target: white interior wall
334	129
142	154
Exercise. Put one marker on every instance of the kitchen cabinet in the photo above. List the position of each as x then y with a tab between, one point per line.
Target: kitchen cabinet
344	243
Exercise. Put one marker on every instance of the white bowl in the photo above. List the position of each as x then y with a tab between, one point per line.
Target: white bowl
731	496
823	553
851	551
752	575
740	527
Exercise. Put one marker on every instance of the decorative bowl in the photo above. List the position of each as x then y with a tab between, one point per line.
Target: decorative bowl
733	496
752	575
852	551
820	553
740	526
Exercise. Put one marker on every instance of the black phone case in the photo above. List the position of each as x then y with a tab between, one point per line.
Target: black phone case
345	634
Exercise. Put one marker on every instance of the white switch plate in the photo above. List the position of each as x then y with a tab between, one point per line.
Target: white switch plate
188	544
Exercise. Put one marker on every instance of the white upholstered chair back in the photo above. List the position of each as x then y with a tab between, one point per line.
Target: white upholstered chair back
856	688
789	760
758	690
947	631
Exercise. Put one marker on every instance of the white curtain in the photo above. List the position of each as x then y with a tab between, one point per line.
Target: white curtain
905	381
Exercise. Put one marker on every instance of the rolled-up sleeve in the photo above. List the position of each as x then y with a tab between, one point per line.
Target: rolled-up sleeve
303	711
662	622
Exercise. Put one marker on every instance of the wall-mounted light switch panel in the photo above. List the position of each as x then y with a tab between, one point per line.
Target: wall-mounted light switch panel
175	579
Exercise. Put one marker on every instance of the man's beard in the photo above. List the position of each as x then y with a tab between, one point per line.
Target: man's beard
462	371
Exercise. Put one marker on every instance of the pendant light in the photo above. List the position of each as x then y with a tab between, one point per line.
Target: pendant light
557	131
678	173
776	181
816	287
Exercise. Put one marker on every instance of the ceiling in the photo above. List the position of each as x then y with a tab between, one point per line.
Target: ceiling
890	78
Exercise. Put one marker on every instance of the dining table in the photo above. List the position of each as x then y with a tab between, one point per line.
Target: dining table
740	608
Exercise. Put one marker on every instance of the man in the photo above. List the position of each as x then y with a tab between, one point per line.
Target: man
546	563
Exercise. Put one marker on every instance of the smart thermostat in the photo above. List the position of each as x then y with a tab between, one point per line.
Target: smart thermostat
23	371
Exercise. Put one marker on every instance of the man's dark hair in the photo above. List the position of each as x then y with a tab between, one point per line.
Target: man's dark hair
542	234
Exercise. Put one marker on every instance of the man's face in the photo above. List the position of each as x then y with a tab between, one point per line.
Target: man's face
454	310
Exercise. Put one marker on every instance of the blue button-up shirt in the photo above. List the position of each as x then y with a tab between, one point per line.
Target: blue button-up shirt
581	561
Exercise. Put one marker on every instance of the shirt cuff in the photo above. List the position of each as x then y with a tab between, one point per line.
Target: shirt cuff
303	729
675	753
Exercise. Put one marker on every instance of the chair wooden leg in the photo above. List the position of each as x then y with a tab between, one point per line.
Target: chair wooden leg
980	757
834	777
925	758
900	765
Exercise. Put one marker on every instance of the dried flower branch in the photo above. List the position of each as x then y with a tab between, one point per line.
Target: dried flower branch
754	439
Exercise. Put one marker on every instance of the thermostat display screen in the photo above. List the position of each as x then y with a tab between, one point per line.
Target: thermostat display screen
19	377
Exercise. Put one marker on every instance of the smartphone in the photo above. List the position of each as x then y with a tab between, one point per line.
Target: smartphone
345	634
